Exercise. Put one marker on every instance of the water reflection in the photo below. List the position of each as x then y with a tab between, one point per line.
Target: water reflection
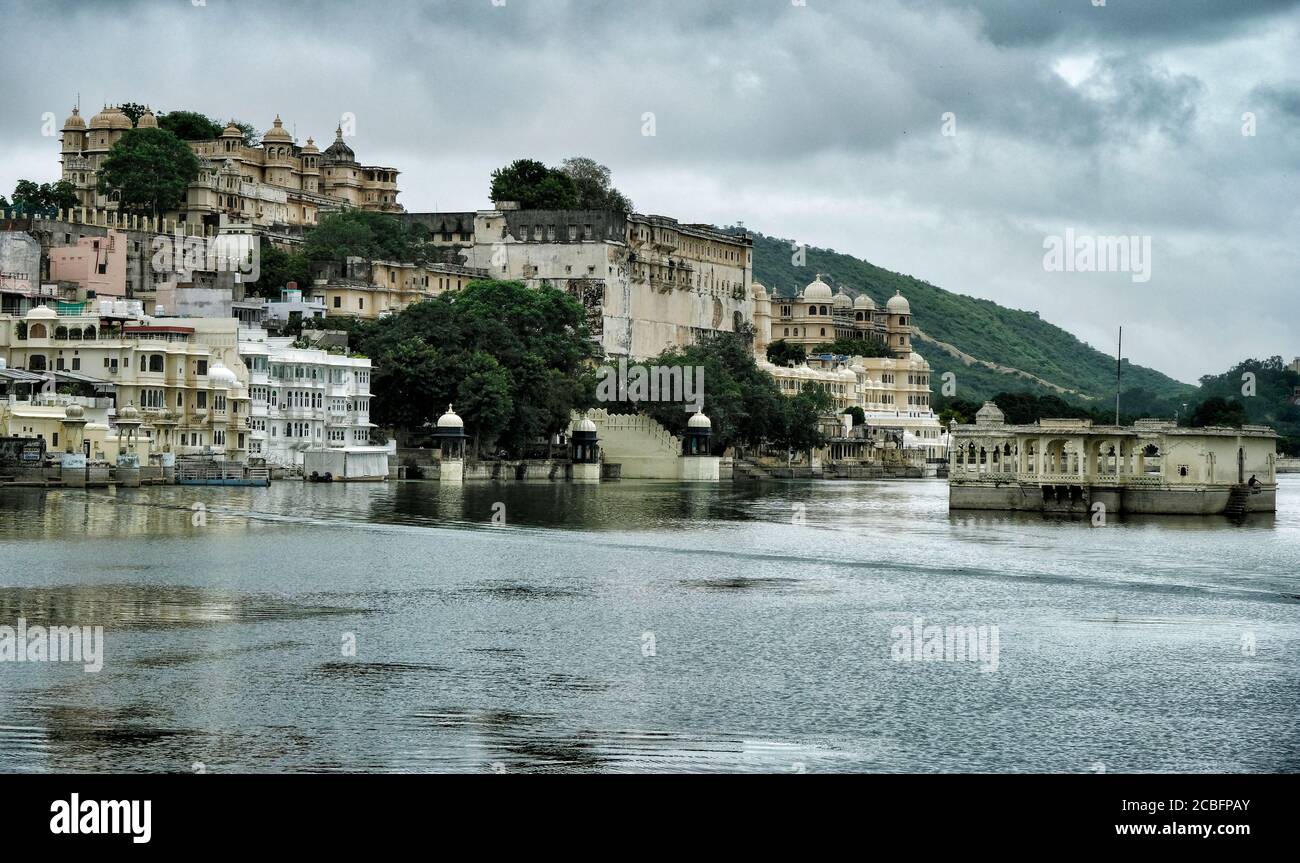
522	646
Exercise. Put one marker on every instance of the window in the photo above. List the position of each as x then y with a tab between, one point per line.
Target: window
76	364
338	301
361	302
201	400
203	367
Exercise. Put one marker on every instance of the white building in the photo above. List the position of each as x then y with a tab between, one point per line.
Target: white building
303	398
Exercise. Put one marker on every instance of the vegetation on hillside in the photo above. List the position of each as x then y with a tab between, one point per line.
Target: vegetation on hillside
1230	399
981	328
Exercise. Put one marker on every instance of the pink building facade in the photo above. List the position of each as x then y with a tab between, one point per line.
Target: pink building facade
97	264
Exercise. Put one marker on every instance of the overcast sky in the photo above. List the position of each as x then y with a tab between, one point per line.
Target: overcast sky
822	122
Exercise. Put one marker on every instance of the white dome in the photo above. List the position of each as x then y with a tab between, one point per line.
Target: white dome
817	290
843	301
585	425
128	413
699	421
74	412
864	302
450	420
41	313
757	291
898	304
221	376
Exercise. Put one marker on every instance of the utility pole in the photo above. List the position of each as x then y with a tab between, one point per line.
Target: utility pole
1119	367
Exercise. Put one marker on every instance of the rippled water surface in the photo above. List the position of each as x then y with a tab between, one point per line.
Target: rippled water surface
642	626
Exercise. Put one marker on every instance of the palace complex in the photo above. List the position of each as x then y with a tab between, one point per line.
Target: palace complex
277	182
82	294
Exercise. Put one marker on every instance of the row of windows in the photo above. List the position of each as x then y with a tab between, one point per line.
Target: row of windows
308	430
157	399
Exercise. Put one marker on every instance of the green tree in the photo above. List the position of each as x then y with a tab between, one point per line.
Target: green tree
782	353
859	417
591	182
190	125
407	383
512	359
741	400
853	348
483	396
33	197
133	110
279	267
534	186
148	171
801	427
1218	411
364	234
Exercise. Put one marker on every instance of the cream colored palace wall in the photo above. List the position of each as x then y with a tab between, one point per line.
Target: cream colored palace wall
636	320
644	448
1196	453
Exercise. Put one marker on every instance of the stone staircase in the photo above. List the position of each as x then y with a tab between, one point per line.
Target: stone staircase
745	470
1238	500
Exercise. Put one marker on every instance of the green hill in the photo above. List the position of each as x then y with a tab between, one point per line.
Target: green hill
1029	353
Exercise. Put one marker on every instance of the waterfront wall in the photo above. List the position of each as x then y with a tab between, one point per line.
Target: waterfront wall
1080	499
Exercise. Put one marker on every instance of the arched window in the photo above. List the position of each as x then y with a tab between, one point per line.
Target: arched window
37	331
36	362
75	333
155	362
89	334
60	332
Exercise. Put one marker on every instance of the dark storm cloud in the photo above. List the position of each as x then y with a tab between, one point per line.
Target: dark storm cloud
1283	98
1016	22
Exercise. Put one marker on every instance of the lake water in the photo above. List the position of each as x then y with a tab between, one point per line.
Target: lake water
638	626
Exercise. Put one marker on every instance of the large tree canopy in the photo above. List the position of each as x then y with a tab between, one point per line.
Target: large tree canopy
512	359
578	184
364	234
193	126
534	186
591	181
277	268
148	171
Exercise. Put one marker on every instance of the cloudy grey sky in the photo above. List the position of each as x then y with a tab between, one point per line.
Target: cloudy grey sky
821	122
